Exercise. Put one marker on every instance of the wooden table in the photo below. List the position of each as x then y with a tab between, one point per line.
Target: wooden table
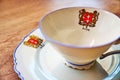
19	17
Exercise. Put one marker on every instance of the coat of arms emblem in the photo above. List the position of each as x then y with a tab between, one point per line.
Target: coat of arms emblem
88	19
34	41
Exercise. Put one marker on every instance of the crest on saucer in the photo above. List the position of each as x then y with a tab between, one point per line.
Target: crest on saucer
88	19
34	41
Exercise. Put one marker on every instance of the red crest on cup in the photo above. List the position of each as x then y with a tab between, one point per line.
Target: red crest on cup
88	19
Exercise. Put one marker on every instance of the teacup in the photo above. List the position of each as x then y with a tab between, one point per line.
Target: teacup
81	34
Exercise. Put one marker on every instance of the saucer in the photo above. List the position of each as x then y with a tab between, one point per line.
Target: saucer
45	63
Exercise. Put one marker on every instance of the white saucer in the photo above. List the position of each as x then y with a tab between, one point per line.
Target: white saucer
46	64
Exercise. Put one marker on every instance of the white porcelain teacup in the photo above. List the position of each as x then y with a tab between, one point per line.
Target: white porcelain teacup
81	34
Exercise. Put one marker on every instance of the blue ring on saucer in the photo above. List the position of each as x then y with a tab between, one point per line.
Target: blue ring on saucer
80	64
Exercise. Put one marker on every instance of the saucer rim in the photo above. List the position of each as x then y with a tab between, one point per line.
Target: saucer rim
19	73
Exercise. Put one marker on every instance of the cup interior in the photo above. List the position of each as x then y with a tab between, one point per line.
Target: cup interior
62	26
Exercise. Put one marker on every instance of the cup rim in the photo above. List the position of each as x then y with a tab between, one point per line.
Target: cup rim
72	45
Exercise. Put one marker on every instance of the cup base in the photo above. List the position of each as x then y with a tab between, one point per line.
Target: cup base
80	66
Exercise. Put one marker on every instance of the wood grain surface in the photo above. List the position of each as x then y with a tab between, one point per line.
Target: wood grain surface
19	17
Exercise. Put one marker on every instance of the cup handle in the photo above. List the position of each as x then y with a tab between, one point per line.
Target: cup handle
117	41
112	52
